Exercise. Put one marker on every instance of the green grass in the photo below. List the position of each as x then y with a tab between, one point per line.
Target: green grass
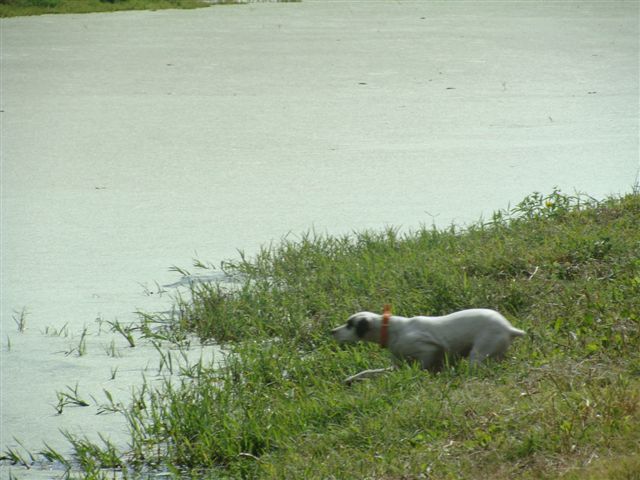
12	8
71	397
564	404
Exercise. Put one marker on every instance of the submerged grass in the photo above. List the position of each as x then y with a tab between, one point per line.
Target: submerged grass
566	402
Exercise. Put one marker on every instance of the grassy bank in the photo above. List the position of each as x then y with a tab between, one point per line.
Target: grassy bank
565	402
566	269
13	8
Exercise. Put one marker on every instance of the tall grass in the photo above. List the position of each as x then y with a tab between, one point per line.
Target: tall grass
564	268
565	402
555	258
11	8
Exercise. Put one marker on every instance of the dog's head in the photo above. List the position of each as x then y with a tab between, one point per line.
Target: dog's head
357	328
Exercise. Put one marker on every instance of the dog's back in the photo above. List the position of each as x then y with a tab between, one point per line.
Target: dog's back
478	333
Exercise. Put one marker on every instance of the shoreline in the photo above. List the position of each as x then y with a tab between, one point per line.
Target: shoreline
289	373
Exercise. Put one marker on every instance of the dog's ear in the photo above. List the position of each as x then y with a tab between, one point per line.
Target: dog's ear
362	327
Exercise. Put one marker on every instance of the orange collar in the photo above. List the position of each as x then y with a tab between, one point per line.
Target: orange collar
384	328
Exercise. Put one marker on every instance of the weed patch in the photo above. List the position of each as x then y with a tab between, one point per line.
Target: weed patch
565	402
12	8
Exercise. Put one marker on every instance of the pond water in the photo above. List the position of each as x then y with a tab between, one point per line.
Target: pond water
135	141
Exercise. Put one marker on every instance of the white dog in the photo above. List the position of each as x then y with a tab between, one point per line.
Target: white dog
478	334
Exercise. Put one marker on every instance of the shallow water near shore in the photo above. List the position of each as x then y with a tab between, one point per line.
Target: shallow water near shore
135	141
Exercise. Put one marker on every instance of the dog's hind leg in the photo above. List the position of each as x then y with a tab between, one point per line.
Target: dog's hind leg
489	347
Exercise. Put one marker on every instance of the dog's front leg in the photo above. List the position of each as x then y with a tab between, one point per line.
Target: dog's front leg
367	374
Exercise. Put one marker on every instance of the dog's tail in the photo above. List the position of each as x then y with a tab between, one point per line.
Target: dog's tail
516	332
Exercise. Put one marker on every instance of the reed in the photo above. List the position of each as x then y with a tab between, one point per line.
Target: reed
69	397
20	319
125	330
